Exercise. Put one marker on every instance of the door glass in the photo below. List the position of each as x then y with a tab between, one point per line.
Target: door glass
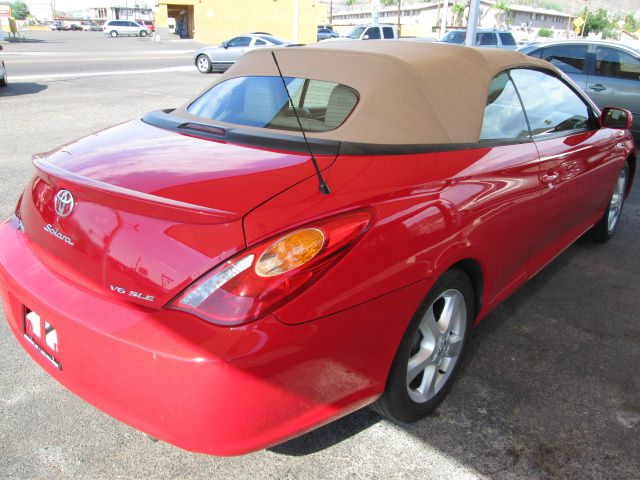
507	38
259	41
240	42
611	62
388	32
551	106
488	39
503	115
374	33
568	58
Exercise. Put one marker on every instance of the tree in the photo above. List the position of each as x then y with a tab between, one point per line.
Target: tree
19	10
501	7
631	24
457	11
597	22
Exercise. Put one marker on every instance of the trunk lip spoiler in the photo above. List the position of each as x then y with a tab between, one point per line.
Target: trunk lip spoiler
171	209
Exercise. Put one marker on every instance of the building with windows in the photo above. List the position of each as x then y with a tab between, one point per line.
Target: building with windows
104	14
213	21
423	19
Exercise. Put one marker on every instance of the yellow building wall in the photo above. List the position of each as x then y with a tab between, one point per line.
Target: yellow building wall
219	20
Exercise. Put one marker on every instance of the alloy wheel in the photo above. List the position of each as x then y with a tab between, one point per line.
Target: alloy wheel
436	346
617	199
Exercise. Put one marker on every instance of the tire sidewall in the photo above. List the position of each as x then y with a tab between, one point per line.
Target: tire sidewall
208	63
403	408
113	34
611	232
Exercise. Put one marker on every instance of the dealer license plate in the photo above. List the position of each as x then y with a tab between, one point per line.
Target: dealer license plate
41	335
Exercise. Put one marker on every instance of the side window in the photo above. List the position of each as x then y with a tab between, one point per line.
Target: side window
551	106
536	53
568	58
503	115
507	39
240	42
611	62
133	24
387	32
488	38
374	33
259	41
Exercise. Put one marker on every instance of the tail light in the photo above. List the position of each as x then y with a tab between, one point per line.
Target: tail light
258	280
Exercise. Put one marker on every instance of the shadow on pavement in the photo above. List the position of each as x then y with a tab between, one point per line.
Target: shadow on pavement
25	88
329	435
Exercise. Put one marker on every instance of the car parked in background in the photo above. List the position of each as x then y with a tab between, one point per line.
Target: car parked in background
324	33
96	27
55	25
306	237
219	58
3	73
147	23
484	38
76	27
115	28
369	32
609	72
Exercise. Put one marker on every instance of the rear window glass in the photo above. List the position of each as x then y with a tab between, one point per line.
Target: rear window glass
507	39
262	102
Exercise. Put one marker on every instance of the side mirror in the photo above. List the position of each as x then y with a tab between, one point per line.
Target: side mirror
614	117
225	44
366	37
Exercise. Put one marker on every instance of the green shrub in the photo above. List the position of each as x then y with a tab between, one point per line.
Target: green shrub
545	32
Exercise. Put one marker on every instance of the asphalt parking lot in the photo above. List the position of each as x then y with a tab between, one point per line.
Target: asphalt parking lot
550	388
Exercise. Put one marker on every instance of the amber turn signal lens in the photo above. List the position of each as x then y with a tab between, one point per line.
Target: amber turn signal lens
290	252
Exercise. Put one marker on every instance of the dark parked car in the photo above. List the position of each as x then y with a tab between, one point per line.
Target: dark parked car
609	72
75	27
324	33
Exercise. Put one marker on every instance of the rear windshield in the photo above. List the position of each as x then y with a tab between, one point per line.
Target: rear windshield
262	102
507	39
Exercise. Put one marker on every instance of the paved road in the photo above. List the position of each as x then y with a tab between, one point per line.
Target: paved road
550	388
62	54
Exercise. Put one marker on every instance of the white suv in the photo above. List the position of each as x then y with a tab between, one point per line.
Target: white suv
125	27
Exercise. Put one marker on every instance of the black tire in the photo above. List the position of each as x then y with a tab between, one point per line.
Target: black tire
143	33
396	402
3	80
608	223
113	34
203	64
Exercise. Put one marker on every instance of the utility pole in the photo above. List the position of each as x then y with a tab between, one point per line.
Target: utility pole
399	17
445	14
331	13
472	23
586	17
296	21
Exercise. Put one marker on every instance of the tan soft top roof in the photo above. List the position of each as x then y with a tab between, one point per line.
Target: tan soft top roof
410	92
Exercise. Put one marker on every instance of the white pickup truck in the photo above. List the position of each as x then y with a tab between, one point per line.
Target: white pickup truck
369	32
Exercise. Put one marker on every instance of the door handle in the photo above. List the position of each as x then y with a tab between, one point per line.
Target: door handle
598	87
549	178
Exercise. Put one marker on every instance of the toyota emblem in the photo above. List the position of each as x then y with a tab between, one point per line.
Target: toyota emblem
64	203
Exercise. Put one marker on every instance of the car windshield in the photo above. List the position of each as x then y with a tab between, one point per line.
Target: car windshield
263	102
454	37
356	32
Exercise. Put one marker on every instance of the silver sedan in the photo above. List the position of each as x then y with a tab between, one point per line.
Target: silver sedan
219	58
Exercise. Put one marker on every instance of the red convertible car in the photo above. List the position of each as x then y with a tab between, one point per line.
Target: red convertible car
317	232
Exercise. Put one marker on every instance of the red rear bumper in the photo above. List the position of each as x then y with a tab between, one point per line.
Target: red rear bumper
204	388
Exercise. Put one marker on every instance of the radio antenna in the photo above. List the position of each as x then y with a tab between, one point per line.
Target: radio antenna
324	188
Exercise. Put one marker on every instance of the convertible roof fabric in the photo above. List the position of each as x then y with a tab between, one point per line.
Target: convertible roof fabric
410	92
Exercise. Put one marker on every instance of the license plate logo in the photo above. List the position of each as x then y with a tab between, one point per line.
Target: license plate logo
42	336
